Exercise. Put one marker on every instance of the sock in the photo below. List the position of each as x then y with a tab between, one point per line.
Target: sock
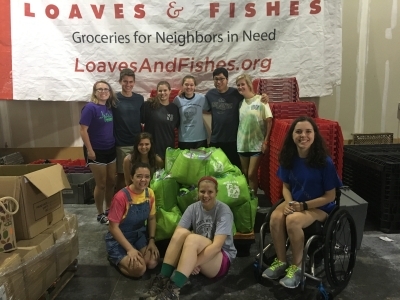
179	279
166	270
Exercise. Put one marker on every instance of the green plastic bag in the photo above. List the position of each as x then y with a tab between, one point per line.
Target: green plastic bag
170	156
190	166
166	222
187	196
245	215
219	164
233	189
165	190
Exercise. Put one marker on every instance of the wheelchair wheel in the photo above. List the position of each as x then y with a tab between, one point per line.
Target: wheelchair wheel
340	249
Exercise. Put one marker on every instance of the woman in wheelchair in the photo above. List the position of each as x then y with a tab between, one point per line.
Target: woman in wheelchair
309	183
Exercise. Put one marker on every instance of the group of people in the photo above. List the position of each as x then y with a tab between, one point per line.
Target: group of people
111	128
203	239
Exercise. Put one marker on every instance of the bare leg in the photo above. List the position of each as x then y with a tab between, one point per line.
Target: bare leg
175	246
99	174
132	270
110	183
278	231
295	224
244	161
253	172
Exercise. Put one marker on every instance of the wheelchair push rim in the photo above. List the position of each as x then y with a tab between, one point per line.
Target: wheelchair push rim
340	249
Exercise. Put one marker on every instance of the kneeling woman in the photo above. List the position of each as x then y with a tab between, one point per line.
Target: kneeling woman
127	244
202	243
309	189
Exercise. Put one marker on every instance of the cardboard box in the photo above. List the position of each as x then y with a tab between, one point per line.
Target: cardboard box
41	242
357	207
39	266
38	191
66	242
11	277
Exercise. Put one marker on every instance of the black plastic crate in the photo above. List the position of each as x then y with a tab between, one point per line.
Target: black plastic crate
373	172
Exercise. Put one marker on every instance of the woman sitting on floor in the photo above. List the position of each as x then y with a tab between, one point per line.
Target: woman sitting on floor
202	243
128	246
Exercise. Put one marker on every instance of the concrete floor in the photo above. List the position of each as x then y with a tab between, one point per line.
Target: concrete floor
376	273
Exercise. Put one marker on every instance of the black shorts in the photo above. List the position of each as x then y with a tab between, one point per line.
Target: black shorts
103	157
192	145
249	154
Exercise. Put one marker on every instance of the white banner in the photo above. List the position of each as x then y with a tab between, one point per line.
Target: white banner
60	48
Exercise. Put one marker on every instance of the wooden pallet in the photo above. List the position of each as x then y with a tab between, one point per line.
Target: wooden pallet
58	284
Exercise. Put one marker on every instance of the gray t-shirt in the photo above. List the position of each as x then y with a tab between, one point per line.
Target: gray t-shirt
224	109
218	220
192	128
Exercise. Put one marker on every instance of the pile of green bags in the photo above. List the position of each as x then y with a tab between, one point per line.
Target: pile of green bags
175	188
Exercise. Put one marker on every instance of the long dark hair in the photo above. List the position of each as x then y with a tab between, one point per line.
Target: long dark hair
317	154
135	155
155	101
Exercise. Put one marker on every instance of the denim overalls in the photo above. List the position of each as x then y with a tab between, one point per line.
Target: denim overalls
133	226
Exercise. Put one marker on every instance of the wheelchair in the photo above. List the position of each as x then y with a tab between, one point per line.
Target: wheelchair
332	242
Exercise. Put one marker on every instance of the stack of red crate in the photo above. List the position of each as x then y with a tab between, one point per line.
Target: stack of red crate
292	110
278	89
69	165
330	131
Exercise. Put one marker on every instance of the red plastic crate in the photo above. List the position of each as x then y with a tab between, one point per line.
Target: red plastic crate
69	165
292	110
278	89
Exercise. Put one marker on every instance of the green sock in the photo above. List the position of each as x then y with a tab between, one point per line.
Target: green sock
166	270
179	279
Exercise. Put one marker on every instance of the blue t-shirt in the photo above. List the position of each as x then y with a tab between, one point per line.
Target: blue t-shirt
307	183
99	120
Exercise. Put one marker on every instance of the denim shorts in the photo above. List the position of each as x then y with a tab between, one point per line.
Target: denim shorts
116	252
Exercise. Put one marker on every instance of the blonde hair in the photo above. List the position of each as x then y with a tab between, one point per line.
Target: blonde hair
112	99
247	79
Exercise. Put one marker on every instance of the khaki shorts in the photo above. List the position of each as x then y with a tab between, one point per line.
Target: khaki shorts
121	153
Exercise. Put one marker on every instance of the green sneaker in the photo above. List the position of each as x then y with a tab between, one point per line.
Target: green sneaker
292	278
276	270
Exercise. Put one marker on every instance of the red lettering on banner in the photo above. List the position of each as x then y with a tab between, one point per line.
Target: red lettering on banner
52	11
273	8
294	8
250	10
119	11
76	66
139	11
75	12
28	12
231	10
98	12
315	6
214	8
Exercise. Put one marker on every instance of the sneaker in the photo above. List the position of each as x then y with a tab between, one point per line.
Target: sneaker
170	292
292	278
157	285
102	219
276	270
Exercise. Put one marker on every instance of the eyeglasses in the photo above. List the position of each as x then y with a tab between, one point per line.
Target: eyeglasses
219	78
102	90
